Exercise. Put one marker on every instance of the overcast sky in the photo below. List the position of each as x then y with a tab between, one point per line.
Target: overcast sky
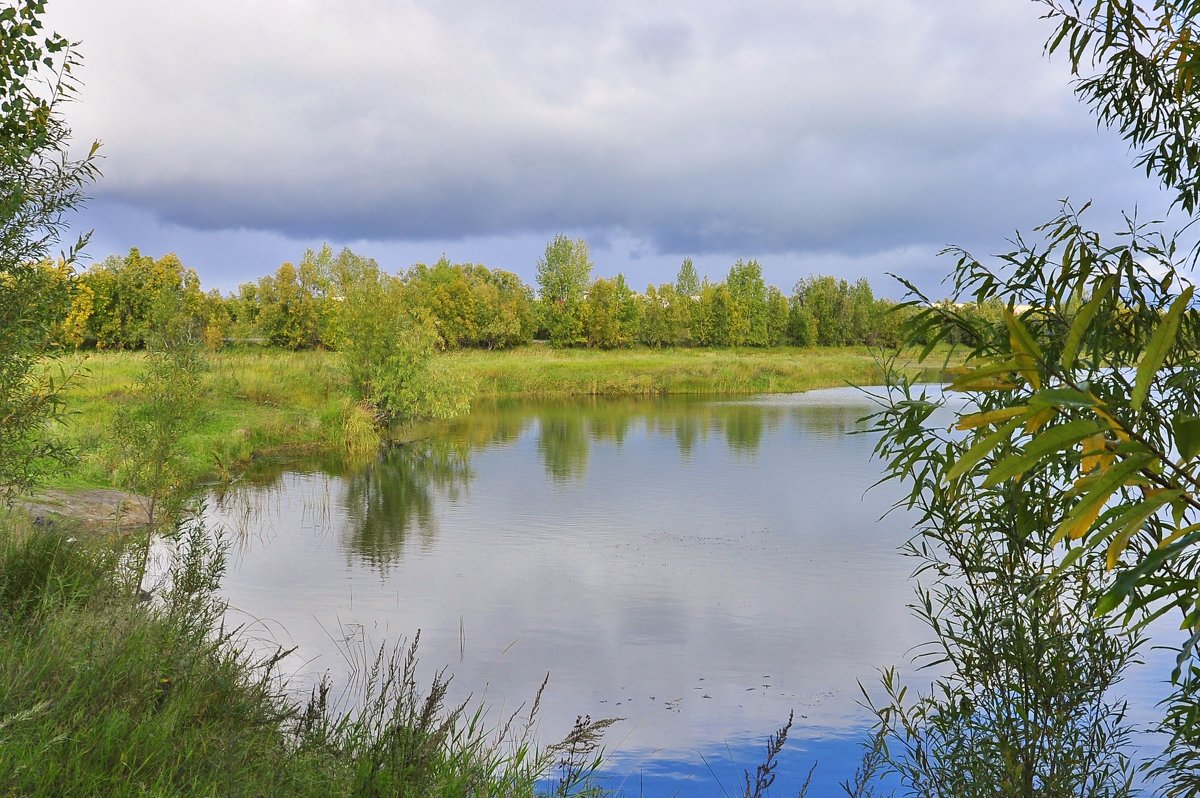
850	138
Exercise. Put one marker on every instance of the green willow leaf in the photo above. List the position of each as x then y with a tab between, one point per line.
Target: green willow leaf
1050	441
1187	436
1156	351
1130	578
1062	397
980	450
1131	520
1083	321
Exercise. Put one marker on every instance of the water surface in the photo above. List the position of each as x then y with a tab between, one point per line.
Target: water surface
696	567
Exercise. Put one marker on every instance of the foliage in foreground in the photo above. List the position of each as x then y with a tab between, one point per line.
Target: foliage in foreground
1022	701
39	184
1077	456
101	694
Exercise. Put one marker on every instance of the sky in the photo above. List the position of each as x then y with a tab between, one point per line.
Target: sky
854	138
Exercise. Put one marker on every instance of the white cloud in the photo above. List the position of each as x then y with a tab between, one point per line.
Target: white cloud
770	127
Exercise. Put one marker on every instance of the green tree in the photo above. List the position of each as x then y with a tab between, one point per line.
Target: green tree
826	299
712	321
563	276
507	310
748	311
860	304
289	306
687	282
390	349
39	184
471	305
651	318
680	311
802	325
778	317
609	314
122	293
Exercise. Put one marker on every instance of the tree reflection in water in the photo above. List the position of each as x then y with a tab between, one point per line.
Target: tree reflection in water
563	443
394	496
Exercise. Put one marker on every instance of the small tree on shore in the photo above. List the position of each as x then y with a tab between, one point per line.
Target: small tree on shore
39	184
389	350
164	407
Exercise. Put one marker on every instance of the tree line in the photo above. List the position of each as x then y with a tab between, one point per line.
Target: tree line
467	305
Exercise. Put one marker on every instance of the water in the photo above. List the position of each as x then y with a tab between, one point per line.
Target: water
696	567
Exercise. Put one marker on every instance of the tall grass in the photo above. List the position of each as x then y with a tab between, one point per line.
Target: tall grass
539	371
254	405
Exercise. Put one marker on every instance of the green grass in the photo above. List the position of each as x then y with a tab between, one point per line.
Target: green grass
253	406
539	371
102	693
271	404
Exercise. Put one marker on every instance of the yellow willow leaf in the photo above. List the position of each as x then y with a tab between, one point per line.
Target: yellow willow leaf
1081	524
988	375
1038	420
1096	456
1118	545
1177	534
1025	349
1085	512
1113	424
990	417
1081	485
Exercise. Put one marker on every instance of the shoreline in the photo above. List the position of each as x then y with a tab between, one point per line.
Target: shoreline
271	404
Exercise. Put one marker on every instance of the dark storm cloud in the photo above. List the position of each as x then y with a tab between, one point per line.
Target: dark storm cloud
854	127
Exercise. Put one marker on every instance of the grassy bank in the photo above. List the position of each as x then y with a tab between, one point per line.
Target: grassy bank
542	371
272	403
104	693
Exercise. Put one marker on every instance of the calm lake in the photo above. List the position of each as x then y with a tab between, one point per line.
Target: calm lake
697	567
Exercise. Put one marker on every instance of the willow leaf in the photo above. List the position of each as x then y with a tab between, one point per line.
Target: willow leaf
1130	521
1083	321
980	450
1050	441
1062	396
1160	344
990	417
1026	351
966	378
1080	519
1187	436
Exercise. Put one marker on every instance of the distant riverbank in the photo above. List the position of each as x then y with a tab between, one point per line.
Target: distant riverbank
262	404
